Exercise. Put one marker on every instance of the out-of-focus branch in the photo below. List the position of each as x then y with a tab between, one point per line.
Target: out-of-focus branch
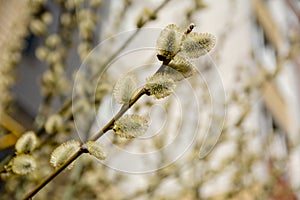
265	20
294	9
11	125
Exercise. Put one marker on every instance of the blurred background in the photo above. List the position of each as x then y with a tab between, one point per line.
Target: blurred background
229	132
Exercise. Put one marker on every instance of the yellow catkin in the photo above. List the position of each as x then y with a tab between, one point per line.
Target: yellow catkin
23	164
197	44
96	150
173	41
125	88
54	123
168	42
63	152
160	85
131	126
181	68
26	143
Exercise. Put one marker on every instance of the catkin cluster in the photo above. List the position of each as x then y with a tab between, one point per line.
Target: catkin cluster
174	49
24	163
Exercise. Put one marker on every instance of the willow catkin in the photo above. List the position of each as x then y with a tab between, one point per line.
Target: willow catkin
23	164
160	85
130	126
197	44
182	68
168	42
53	123
125	88
63	152
26	143
96	150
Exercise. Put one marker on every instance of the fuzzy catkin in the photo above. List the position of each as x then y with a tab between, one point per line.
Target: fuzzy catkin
182	68
23	164
96	150
26	143
197	44
54	123
174	48
168	42
160	85
63	152
125	88
131	126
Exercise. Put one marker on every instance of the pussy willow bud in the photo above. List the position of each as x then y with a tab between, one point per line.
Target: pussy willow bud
96	149
23	164
125	88
182	68
146	15
66	19
168	42
38	27
26	143
160	85
53	40
42	53
47	18
63	152
172	41
197	44
53	124
131	126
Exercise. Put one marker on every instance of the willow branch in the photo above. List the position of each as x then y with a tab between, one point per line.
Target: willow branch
108	126
95	137
82	150
68	103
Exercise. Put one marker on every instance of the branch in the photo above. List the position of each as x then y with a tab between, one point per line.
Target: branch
107	127
82	150
95	137
68	103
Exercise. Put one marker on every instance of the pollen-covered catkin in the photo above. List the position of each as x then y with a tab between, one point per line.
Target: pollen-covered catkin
160	85
54	123
26	143
168	42
197	44
182	68
131	126
125	88
23	164
63	152
96	150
